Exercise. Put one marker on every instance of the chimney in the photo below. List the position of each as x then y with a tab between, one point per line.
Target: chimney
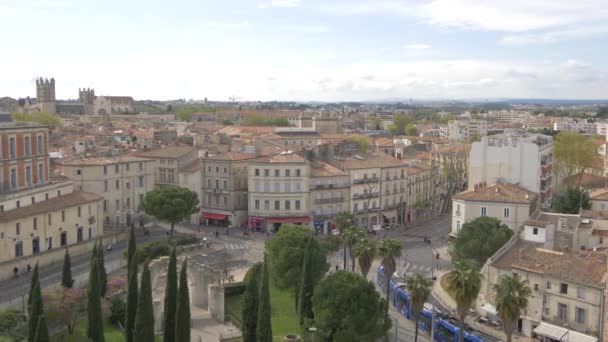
497	189
527	196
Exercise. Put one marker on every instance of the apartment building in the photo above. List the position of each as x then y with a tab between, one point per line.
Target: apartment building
278	190
526	159
225	189
467	130
423	191
509	116
579	126
122	181
509	203
329	194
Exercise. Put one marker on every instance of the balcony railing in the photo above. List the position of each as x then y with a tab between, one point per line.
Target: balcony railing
366	180
329	200
365	195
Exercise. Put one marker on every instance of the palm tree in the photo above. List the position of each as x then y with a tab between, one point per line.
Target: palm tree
389	250
464	284
343	221
365	250
350	236
419	289
511	299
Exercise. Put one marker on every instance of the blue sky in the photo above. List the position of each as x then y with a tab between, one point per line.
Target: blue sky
330	50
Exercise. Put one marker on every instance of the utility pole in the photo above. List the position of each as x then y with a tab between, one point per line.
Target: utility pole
396	328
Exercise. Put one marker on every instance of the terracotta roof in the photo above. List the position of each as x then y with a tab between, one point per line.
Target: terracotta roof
321	169
281	158
588	180
174	152
508	193
595	214
599	194
372	161
542	219
234	156
574	265
85	161
70	200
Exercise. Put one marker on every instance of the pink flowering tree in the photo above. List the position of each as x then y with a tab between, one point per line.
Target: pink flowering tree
116	285
65	306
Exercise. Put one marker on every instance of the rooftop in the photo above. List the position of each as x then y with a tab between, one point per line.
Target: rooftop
89	161
504	193
321	169
174	152
587	180
584	267
231	156
19	125
371	161
53	204
599	194
283	157
543	219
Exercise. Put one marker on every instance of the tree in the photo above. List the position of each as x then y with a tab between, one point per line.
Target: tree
95	319
347	307
389	249
42	330
511	299
350	236
453	163
307	285
103	276
36	310
365	250
573	153
363	143
170	306
249	317
143	329
264	326
227	122
344	220
65	306
463	285
132	294
66	274
571	201
285	253
411	130
131	250
401	121
182	322
171	203
42	118
479	239
419	289
34	281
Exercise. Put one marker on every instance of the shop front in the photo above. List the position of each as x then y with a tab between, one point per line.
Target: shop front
274	223
215	219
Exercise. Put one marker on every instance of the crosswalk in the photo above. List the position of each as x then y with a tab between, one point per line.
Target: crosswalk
235	246
419	269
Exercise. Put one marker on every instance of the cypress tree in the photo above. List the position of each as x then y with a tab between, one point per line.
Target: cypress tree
249	315
103	276
131	249
131	303
306	287
42	330
36	310
143	329
35	280
264	326
170	298
66	275
95	319
182	323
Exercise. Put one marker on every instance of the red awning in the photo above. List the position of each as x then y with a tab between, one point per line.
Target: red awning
289	219
214	216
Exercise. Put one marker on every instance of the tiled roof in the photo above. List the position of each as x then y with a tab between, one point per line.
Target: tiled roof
53	204
508	193
542	219
574	265
234	156
325	170
599	194
192	167
281	158
100	160
174	152
372	161
595	214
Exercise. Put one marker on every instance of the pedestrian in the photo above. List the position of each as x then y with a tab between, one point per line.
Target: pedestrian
217	234
16	271
337	267
267	235
29	268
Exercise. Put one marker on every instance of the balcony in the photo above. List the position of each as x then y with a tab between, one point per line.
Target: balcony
366	180
365	195
329	200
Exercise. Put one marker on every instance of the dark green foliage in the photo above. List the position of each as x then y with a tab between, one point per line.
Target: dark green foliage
132	294
10	319
307	286
249	317
66	274
36	310
260	120
42	330
235	289
479	239
155	249
571	200
170	306
143	329
182	324
95	319
264	324
103	276
171	204
285	253
131	250
118	311
347	307
34	280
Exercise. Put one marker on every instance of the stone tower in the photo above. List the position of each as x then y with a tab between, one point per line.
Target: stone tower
86	96
45	95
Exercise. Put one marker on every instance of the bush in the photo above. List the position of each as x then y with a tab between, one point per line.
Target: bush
234	289
118	310
10	320
184	240
155	249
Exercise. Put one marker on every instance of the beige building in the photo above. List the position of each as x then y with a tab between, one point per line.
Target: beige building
329	194
122	181
511	204
278	191
422	197
599	199
225	189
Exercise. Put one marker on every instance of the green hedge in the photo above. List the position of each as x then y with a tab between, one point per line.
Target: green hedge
234	289
156	249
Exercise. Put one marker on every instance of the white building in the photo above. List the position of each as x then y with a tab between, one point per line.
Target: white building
525	159
580	126
464	130
509	115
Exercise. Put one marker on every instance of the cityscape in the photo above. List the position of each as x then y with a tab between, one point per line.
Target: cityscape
282	171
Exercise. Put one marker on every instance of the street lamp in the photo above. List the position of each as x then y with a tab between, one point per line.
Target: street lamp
313	332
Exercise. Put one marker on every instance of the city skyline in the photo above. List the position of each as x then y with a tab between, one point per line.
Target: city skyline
308	50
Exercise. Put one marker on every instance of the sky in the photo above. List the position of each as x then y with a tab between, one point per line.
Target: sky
307	50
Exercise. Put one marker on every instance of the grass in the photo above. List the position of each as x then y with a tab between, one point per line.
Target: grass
111	333
284	318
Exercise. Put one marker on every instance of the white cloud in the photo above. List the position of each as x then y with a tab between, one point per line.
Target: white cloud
306	28
554	36
279	3
418	46
229	25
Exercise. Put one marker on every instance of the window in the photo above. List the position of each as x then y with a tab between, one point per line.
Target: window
18	204
12	148
579	316
266	187
580	292
105	186
90	233
506	212
79	211
36	245
257	186
225	201
141	181
287	205
298	173
266	205
127	166
33	199
534	231
117	184
562	312
50	243
105	169
13	178
217	169
217	183
298	187
484	211
64	238
548	285
128	202
105	205
141	166
141	199
277	172
117	204
79	234
50	219
257	172
35	223
266	172
297	204
40	148
277	205
116	167
287	187
46	196
40	173
225	170
128	185
63	216
225	184
287	173
563	288
209	183
457	225
17	228
18	249
28	147
257	204
356	207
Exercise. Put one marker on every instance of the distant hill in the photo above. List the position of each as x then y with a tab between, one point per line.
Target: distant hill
8	104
